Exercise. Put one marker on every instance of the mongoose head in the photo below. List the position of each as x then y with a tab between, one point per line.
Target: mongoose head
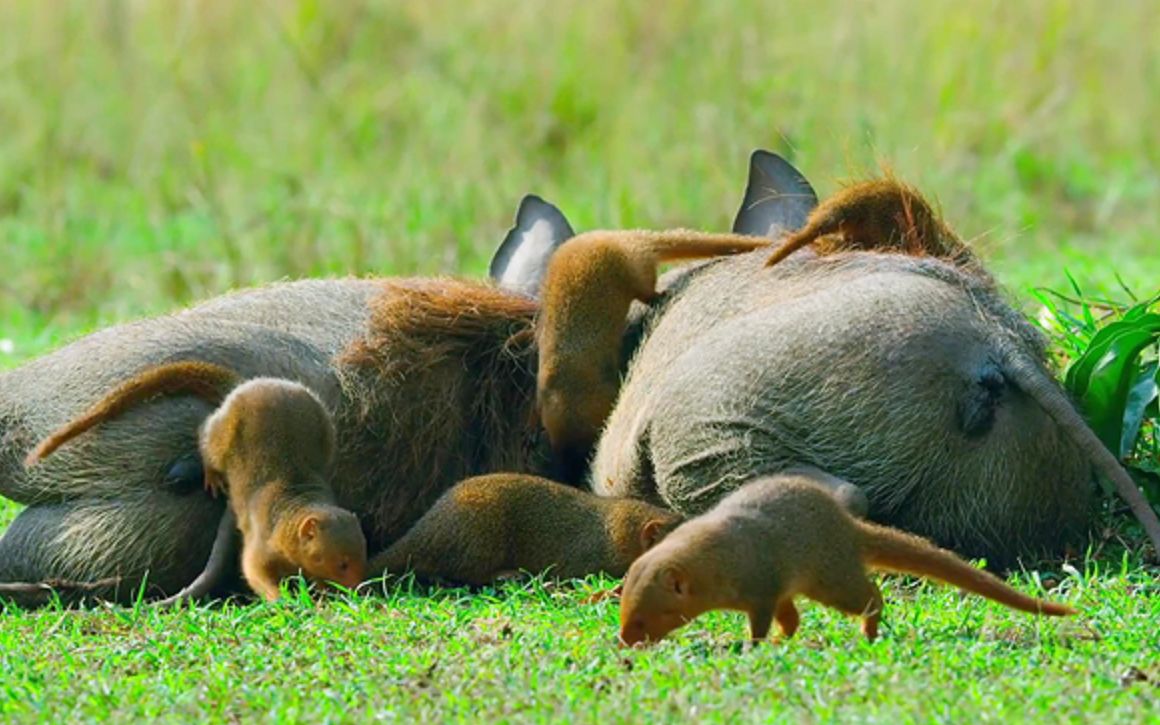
330	546
643	525
661	593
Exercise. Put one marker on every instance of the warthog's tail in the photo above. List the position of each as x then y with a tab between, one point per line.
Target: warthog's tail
1038	385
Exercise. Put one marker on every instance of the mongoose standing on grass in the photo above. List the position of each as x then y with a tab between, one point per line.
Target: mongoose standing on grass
590	283
492	525
773	539
270	446
881	215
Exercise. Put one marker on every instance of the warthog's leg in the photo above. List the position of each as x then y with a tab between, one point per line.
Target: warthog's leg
155	536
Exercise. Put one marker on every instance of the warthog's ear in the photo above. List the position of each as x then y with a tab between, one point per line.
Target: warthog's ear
777	198
522	258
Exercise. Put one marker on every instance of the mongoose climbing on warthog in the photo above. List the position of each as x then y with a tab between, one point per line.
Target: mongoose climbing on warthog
590	283
878	215
774	539
507	522
270	447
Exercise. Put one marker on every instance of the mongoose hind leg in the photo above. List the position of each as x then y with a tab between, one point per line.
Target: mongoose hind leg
850	591
760	619
871	619
787	617
879	215
444	545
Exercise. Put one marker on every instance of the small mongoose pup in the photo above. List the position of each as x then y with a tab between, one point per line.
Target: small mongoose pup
773	539
883	215
590	283
270	445
499	524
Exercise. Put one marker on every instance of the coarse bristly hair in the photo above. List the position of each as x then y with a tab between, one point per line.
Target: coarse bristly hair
440	387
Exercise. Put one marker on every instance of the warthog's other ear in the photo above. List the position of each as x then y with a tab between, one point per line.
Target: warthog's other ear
522	258
777	198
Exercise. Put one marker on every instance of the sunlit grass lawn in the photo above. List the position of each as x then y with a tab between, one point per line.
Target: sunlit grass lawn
535	652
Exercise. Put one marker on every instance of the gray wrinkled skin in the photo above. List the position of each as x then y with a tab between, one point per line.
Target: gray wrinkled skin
869	366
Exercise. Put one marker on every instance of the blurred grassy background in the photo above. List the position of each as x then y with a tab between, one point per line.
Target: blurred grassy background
154	153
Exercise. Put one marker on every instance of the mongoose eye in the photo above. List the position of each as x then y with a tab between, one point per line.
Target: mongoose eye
343	565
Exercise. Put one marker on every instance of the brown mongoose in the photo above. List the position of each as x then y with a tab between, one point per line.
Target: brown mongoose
270	445
883	215
590	283
773	539
492	525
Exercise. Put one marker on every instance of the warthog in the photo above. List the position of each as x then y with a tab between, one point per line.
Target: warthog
908	377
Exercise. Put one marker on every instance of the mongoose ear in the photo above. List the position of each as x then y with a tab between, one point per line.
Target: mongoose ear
652	532
777	198
521	261
308	528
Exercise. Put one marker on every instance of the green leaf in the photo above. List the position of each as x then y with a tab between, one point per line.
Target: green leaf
1141	309
1141	397
1064	325
1089	320
1147	475
1079	373
1108	371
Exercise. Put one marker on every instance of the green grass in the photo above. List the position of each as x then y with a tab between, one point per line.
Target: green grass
157	153
534	652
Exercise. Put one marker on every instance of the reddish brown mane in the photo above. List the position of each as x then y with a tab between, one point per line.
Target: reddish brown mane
444	378
446	312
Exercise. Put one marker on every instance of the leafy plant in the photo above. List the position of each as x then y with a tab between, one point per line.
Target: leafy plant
1113	373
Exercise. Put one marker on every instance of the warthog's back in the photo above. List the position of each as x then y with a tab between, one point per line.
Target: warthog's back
287	330
872	367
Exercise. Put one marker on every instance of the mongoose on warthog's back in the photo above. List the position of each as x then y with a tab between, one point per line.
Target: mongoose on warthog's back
506	522
880	215
774	539
270	446
591	281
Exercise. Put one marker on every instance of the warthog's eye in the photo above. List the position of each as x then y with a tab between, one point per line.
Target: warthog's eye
185	475
981	400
